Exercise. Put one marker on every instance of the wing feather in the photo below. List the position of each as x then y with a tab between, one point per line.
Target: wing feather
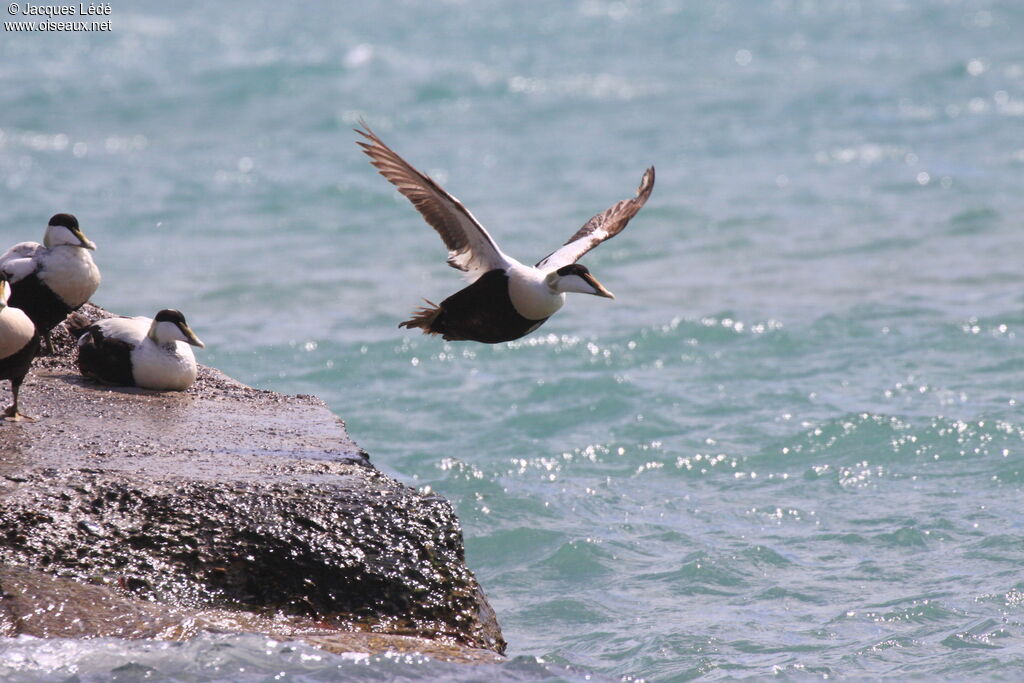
19	261
601	227
470	248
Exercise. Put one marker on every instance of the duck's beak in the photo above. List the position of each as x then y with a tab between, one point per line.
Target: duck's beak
86	243
5	293
191	336
599	289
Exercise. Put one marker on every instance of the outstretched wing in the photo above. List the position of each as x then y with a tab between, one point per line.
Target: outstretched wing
601	227
470	248
19	261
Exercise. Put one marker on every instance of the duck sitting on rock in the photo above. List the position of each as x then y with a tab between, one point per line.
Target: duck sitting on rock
19	344
151	353
52	279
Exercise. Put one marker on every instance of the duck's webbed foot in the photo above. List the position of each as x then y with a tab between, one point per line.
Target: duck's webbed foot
12	415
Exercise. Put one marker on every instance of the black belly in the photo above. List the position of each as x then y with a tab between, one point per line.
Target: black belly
106	359
15	367
483	312
46	309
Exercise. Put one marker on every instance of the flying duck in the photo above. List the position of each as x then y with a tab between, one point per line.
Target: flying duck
151	353
52	279
506	299
18	346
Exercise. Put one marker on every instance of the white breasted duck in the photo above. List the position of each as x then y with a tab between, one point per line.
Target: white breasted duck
506	299
141	352
52	279
19	344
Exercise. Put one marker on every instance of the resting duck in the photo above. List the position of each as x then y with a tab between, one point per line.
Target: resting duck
152	353
52	279
19	344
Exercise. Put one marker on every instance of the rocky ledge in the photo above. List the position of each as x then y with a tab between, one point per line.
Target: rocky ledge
140	514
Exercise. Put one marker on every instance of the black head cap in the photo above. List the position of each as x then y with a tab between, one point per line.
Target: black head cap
169	315
573	269
65	220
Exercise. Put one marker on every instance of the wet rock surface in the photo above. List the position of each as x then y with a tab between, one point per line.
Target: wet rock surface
222	507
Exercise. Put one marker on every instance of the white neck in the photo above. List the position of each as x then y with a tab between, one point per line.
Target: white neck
164	333
531	295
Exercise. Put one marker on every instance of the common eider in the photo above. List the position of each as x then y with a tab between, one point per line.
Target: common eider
19	344
151	353
506	299
52	279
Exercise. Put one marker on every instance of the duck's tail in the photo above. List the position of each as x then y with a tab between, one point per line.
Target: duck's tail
423	318
77	324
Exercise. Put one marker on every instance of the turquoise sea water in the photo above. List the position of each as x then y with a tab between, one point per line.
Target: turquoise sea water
793	445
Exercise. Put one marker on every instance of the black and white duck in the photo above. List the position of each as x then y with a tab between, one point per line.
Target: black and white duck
52	279
152	353
19	344
506	299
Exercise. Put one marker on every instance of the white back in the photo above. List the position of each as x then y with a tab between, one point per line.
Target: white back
19	261
131	330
